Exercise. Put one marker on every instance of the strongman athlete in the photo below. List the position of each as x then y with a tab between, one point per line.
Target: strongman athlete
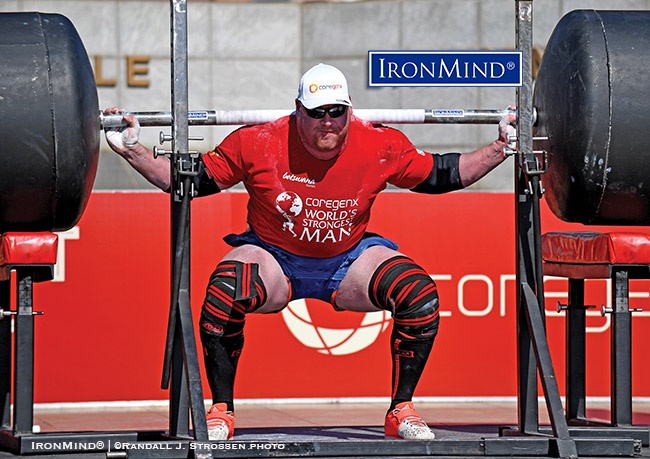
312	178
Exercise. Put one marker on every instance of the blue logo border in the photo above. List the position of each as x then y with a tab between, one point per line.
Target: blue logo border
446	83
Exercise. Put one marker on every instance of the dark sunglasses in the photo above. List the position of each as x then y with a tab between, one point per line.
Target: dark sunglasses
319	113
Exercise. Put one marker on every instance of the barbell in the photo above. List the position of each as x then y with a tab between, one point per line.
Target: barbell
589	104
378	116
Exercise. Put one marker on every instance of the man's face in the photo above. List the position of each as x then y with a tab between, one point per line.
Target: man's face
325	128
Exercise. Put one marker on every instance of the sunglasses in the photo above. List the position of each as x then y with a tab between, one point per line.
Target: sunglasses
319	113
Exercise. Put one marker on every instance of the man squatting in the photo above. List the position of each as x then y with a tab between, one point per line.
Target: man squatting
312	178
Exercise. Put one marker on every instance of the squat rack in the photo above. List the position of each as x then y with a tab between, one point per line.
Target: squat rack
187	434
533	354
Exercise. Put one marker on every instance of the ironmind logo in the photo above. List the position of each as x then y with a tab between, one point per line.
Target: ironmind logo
444	68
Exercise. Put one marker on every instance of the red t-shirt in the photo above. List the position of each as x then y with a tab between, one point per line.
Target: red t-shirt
307	206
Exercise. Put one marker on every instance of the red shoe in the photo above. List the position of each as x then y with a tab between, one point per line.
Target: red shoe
221	422
404	422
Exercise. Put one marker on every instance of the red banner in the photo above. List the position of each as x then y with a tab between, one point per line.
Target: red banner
103	332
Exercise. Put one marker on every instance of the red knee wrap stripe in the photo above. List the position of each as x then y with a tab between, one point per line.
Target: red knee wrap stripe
404	288
235	289
399	280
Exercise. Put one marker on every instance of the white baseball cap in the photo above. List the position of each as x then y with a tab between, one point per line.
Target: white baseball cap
323	85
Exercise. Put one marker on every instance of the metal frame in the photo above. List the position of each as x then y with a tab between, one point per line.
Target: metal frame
181	370
21	420
181	373
620	423
5	358
533	355
621	347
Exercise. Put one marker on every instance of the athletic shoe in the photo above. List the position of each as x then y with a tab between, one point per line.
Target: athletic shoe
404	422
221	422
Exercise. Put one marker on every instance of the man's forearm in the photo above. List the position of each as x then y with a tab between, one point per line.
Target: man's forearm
155	170
475	165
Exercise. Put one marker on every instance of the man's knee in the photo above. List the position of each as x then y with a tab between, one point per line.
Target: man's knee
406	290
234	289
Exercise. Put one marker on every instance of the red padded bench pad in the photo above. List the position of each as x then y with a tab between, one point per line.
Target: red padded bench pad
596	248
28	248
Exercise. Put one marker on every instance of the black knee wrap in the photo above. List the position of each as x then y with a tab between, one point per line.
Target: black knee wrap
408	292
235	288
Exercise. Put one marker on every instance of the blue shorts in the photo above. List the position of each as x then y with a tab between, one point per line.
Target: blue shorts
312	277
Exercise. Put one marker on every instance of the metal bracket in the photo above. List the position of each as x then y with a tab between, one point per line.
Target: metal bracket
186	164
604	310
4	314
565	307
532	164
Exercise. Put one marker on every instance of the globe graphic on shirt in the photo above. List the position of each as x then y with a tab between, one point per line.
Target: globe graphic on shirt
289	203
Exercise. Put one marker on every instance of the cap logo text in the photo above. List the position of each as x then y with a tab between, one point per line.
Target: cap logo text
314	87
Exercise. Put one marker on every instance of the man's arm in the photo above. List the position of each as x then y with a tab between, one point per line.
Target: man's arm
155	170
475	165
124	142
454	171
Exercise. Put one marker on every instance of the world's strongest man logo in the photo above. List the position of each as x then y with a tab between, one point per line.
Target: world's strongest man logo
324	220
289	205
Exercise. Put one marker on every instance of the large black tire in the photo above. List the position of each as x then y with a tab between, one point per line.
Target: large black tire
49	123
592	98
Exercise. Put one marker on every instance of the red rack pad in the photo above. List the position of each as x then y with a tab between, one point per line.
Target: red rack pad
596	248
28	248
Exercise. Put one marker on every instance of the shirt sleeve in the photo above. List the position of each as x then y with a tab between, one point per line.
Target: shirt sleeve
225	163
412	166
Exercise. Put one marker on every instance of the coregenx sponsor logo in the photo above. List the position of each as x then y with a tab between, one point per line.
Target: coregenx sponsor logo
323	87
445	68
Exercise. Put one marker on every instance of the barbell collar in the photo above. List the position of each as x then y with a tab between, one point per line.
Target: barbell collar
249	117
